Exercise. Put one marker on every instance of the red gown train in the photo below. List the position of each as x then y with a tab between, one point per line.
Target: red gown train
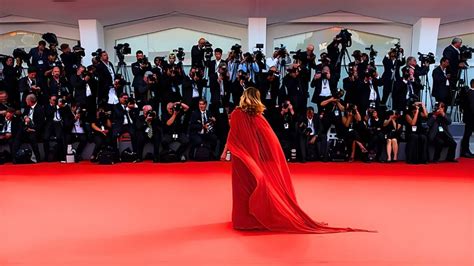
262	191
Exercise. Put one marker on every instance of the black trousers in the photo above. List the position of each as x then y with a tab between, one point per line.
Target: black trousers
27	137
101	141
417	148
118	131
182	139
144	139
311	152
55	129
442	140
209	139
80	138
468	129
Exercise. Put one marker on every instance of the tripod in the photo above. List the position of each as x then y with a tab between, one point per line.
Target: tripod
455	93
122	70
426	94
343	56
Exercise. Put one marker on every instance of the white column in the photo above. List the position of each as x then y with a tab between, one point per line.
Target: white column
257	33
92	37
425	36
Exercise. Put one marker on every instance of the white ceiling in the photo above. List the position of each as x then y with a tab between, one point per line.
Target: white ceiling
111	12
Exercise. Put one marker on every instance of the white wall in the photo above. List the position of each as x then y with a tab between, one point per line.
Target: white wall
68	32
214	27
456	28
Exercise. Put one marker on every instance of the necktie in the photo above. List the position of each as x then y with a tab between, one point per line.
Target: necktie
204	118
150	131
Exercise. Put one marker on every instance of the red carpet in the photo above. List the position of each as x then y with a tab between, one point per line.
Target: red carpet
179	214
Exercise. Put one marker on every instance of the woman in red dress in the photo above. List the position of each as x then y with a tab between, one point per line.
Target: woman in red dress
262	191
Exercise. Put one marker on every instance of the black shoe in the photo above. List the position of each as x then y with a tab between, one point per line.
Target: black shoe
452	161
467	155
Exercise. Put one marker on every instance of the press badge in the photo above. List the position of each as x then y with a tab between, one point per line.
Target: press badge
414	128
175	136
40	62
147	130
336	113
221	110
440	129
286	125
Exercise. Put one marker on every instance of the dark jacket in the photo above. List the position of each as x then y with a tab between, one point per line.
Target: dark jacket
440	91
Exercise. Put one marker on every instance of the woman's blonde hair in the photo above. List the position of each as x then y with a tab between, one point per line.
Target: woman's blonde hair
250	101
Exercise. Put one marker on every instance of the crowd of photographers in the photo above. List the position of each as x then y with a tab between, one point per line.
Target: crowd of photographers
61	102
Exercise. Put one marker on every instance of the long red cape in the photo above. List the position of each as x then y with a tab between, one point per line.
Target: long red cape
263	194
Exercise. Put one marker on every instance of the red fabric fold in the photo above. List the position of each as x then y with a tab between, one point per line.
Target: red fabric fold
263	194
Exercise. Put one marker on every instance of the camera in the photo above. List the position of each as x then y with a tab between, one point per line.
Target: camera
151	114
78	50
281	51
426	58
143	61
344	37
237	50
97	53
248	57
20	53
351	109
465	53
372	52
103	114
122	82
208	51
50	38
177	107
299	55
339	94
285	105
273	73
396	49
123	49
180	53
308	131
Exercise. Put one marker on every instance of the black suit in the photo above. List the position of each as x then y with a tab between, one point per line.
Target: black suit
390	74
318	149
440	136
468	119
12	127
352	88
441	91
119	115
197	57
400	91
454	57
188	90
269	91
105	80
144	130
317	84
200	136
57	129
32	137
217	99
364	95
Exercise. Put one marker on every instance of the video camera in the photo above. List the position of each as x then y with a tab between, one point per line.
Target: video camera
121	50
344	37
151	114
372	53
426	58
465	53
50	38
22	54
180	53
177	107
97	53
237	50
208	51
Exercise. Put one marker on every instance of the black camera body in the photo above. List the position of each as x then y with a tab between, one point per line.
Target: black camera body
151	114
177	107
22	54
426	58
180	53
237	50
466	53
50	38
344	37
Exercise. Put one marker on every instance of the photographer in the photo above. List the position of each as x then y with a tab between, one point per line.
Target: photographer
58	116
392	128
392	63
293	90
280	59
84	86
453	55
149	130
77	130
312	139
270	87
417	142
441	82
53	62
11	73
239	85
352	126
439	134
220	88
39	60
216	64
124	117
173	131
192	88
376	136
369	91
418	70
283	120
57	84
249	66
197	54
406	90
70	60
169	87
115	91
159	65
233	61
201	129
324	86
9	129
145	87
139	68
28	85
352	85
102	132
106	74
31	126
